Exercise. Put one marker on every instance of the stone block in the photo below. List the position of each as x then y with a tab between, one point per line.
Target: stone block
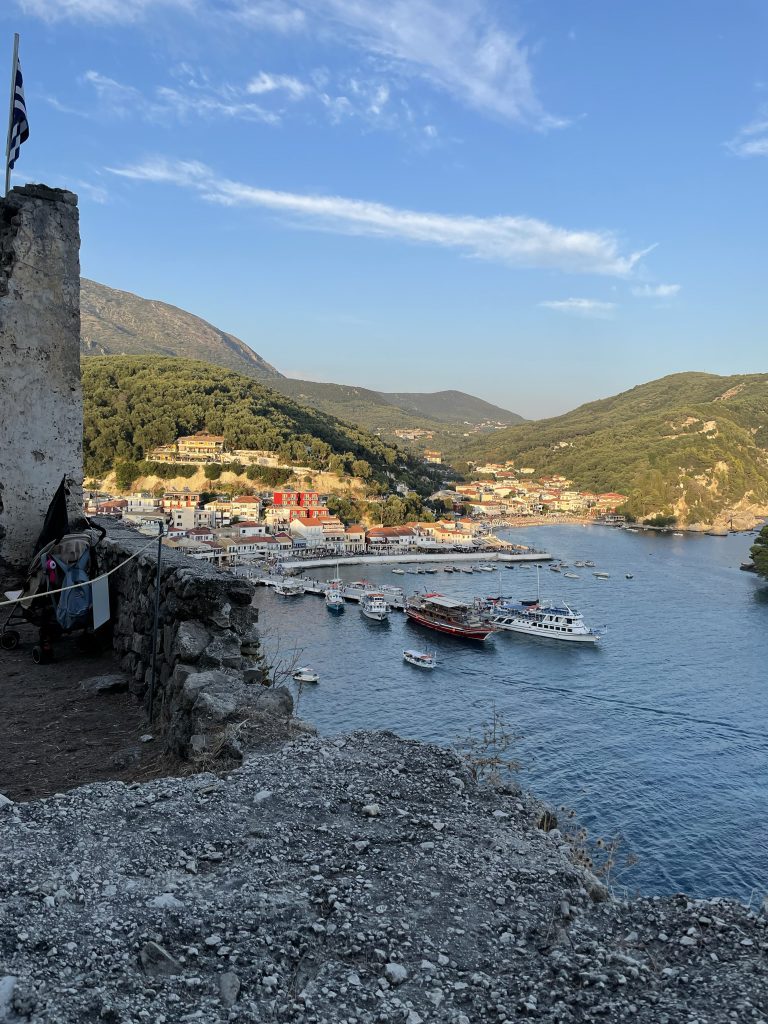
192	639
197	682
224	650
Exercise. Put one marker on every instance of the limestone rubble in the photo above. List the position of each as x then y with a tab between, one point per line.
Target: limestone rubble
273	894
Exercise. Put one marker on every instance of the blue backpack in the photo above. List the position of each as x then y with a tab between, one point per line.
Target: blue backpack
74	605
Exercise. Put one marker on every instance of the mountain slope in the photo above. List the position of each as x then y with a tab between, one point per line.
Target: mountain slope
692	443
134	403
115	322
451	407
121	323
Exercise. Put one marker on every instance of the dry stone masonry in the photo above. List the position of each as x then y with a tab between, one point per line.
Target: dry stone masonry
41	423
208	670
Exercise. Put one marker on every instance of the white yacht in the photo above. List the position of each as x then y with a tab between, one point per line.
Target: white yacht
373	606
537	618
289	588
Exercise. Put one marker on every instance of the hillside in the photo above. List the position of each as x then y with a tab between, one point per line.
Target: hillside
692	443
134	403
451	407
113	322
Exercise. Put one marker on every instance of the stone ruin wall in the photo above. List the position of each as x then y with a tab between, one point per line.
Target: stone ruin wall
41	405
208	670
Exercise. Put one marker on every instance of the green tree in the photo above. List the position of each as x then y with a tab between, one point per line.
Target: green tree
212	471
126	472
759	552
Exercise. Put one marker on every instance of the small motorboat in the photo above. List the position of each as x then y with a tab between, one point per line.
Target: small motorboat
399	572
448	568
554	568
678	534
571	576
629	576
421	659
579	565
602	575
590	564
431	570
305	674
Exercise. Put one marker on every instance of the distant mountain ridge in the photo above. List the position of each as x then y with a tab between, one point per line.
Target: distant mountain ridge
115	322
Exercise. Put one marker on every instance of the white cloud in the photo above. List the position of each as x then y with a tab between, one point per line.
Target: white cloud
514	241
266	83
656	291
455	45
122	11
752	139
581	307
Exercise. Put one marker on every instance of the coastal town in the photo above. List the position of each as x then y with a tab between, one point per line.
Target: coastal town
231	526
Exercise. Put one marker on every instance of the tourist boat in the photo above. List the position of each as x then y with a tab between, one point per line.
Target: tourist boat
399	572
334	598
373	606
421	659
571	576
447	615
306	675
289	588
602	575
541	619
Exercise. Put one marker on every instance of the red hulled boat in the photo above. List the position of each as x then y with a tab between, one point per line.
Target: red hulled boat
446	615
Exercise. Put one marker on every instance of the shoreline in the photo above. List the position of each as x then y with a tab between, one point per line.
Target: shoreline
412	556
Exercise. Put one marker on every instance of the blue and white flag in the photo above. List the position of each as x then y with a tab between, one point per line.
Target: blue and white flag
19	129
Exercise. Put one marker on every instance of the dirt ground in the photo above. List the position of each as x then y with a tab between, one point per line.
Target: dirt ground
55	736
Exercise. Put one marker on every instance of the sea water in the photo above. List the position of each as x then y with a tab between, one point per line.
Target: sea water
658	735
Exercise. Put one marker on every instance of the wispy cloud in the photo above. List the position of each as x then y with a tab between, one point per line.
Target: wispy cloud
121	11
514	241
752	139
266	83
582	307
656	291
457	46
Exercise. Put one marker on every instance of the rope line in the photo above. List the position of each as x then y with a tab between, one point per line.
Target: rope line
74	586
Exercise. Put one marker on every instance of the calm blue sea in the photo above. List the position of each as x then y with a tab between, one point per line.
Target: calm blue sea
659	735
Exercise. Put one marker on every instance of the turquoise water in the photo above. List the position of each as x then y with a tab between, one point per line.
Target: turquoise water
659	735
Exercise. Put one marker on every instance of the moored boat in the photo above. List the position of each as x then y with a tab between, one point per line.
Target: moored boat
421	659
334	598
602	575
399	572
373	606
289	588
571	576
541	619
447	615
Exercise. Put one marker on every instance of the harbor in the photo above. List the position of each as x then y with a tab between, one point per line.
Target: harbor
642	727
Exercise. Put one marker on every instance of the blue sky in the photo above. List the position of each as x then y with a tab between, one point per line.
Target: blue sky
538	203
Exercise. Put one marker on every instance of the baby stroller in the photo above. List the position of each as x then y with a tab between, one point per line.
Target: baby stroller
62	562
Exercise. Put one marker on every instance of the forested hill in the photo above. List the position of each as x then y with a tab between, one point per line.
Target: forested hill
114	322
134	403
692	443
450	407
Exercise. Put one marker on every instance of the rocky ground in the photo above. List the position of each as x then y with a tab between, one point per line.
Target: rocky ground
361	879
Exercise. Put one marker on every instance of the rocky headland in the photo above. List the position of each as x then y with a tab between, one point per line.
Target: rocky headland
358	879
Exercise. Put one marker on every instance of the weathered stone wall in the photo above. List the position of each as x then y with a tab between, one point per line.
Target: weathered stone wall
208	659
41	419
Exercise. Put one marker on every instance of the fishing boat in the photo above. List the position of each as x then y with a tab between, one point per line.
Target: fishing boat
334	598
289	588
306	675
373	606
541	619
602	575
421	659
447	615
571	576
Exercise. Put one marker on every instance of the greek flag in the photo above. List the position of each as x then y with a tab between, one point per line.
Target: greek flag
19	125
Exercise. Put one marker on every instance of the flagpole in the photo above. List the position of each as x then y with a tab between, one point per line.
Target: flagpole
14	65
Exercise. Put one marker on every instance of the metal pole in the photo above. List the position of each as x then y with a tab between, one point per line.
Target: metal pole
156	624
10	112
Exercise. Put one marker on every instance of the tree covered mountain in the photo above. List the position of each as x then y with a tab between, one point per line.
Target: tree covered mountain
134	403
450	407
690	444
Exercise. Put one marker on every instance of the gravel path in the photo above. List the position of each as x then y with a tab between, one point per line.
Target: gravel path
361	879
